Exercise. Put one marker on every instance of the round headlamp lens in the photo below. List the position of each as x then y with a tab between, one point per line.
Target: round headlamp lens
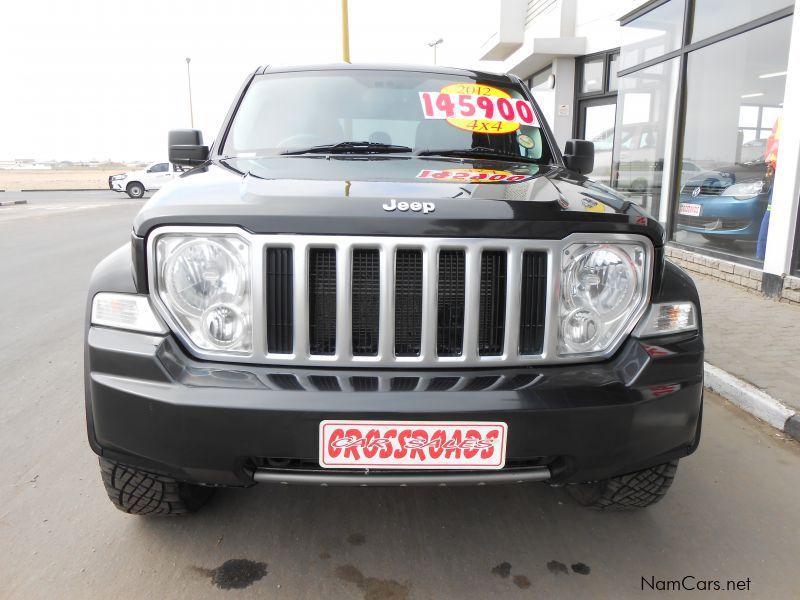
581	328
603	279
203	272
223	324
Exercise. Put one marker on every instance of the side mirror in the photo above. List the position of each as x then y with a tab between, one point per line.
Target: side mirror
186	147
579	156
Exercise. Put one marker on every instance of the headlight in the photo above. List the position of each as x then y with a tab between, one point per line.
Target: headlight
117	177
204	283
744	191
603	287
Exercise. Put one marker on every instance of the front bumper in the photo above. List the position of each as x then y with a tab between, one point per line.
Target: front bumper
724	216
118	185
150	404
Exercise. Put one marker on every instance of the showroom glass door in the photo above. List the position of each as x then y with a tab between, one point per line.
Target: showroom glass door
596	119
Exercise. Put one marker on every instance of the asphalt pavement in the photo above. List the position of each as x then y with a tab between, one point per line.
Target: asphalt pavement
732	513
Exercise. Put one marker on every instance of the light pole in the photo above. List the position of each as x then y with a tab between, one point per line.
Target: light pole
433	45
345	33
189	79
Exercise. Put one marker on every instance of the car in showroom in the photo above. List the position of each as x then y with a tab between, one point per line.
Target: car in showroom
151	178
389	276
726	204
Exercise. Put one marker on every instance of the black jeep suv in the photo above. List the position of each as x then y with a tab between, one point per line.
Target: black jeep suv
383	275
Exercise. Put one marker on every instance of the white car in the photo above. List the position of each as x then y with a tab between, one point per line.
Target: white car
136	183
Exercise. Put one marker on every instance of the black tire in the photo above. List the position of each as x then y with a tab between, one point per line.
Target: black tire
135	190
138	492
626	492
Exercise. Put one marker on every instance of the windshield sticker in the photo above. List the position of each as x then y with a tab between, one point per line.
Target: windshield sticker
525	141
472	176
477	108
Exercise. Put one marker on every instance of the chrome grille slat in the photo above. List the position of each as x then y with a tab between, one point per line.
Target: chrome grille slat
427	349
472	303
513	298
344	324
300	302
386	318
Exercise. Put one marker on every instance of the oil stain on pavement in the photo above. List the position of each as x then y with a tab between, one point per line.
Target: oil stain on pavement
557	568
522	582
357	539
372	587
235	574
581	569
502	570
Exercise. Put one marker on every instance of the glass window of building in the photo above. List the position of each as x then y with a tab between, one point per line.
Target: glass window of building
654	34
733	106
613	67
542	89
715	16
592	76
643	135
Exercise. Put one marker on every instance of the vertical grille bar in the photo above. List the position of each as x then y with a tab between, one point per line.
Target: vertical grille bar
344	313
322	300
472	303
280	313
450	303
513	274
533	302
408	303
492	316
366	278
387	283
429	333
301	310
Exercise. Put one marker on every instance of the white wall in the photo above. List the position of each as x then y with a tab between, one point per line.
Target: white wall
597	21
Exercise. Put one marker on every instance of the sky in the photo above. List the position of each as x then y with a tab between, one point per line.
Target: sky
106	79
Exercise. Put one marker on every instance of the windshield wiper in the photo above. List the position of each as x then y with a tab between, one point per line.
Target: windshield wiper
477	152
351	148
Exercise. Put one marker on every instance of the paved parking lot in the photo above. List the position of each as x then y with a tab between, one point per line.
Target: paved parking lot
731	515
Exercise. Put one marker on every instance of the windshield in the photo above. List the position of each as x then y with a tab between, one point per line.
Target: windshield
391	112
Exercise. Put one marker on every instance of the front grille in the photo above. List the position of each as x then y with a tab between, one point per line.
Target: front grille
705	190
280	316
402	301
533	299
493	304
322	300
450	303
365	302
408	303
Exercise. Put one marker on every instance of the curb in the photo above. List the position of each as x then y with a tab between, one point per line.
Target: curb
753	400
13	202
72	190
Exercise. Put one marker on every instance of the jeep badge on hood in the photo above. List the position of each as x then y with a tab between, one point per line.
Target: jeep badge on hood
424	207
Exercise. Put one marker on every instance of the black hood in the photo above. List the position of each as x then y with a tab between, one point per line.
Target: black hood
349	195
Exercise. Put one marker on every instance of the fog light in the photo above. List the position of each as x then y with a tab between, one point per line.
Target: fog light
223	324
581	328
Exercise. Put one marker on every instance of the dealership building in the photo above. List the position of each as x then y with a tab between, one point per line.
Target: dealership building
694	110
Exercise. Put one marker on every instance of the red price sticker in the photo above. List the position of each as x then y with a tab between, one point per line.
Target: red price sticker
477	108
472	175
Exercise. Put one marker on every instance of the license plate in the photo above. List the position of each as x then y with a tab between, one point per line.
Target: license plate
692	210
412	445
